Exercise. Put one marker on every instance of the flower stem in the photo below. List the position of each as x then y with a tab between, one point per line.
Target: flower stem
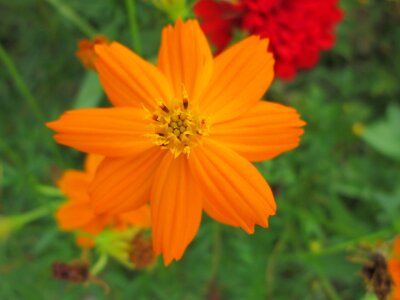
345	245
381	234
132	15
272	261
68	13
99	265
216	258
35	214
25	92
49	191
327	285
12	223
11	154
20	84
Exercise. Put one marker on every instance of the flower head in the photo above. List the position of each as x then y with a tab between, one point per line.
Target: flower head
219	18
132	247
182	135
85	52
77	213
298	30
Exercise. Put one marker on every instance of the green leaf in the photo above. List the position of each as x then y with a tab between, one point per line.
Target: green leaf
90	93
384	135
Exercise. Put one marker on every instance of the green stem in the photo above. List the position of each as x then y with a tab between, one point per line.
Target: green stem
35	214
20	220
99	265
216	258
326	284
272	260
132	15
49	191
381	234
25	92
20	84
68	13
11	154
346	245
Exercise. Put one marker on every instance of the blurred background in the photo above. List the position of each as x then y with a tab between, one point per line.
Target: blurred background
336	193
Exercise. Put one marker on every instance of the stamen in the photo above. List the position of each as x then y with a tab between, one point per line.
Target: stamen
176	127
164	108
185	97
185	103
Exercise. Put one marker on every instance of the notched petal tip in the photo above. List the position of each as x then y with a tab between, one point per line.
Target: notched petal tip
302	123
169	260
100	48
52	124
49	124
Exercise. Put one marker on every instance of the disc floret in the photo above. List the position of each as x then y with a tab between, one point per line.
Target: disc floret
178	127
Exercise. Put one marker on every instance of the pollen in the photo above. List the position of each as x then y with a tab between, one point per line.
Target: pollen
177	126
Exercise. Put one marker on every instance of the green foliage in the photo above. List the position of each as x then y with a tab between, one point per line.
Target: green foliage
336	190
384	135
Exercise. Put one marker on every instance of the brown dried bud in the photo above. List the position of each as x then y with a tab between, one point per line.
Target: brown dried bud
76	272
376	275
141	253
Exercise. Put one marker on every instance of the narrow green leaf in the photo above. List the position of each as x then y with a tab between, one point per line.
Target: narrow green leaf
90	93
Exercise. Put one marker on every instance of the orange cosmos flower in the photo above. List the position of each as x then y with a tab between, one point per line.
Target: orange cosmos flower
86	53
182	134
77	213
394	270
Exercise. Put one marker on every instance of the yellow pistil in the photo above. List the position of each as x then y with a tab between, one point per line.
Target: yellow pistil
178	127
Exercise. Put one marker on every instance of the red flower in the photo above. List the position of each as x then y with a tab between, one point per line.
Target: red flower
219	19
298	29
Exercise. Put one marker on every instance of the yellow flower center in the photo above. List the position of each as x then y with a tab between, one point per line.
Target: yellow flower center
178	127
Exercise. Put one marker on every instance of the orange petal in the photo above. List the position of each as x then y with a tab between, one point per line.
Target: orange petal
185	58
84	242
263	132
139	217
85	52
74	215
128	79
92	161
234	191
175	208
74	184
123	184
104	131
241	76
96	225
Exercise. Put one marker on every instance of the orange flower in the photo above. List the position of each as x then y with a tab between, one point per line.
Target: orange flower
77	213
394	269
182	135
86	53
